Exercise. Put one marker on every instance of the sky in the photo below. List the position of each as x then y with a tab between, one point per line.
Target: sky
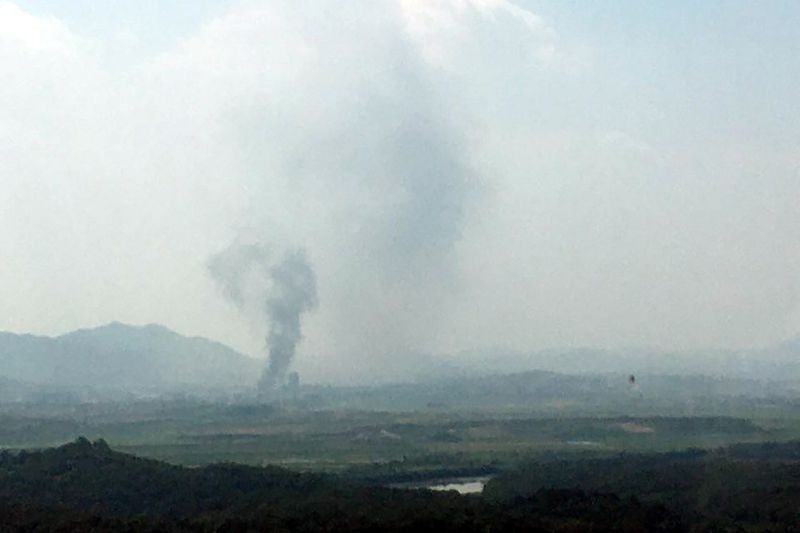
460	174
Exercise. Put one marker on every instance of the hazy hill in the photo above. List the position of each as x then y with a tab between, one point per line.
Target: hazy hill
154	358
780	362
546	391
123	356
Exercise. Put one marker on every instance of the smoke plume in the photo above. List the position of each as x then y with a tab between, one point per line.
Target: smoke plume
272	290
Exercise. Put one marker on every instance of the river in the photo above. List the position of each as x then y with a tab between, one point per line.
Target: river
462	485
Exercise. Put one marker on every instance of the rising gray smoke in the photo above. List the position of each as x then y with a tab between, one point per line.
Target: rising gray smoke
385	163
278	291
294	292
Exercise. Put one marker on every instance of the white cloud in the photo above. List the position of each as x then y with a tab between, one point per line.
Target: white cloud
34	34
450	30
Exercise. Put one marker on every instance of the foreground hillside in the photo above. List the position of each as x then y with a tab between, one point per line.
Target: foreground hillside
86	486
749	486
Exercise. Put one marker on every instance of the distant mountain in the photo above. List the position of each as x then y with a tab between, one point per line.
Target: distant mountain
777	363
123	356
578	394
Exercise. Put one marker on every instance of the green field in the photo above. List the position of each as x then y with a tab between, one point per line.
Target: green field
384	445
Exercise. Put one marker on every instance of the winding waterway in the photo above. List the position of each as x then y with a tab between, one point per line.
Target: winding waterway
462	486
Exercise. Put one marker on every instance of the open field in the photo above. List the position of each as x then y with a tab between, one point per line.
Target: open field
384	445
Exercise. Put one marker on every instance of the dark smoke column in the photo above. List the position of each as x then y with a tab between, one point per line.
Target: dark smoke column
278	292
294	292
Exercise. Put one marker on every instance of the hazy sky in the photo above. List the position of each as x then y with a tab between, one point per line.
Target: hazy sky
462	174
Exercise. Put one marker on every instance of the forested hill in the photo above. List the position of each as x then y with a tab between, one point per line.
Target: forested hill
85	486
744	487
90	476
123	356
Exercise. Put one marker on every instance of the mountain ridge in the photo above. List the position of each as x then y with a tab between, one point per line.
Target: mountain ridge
118	355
